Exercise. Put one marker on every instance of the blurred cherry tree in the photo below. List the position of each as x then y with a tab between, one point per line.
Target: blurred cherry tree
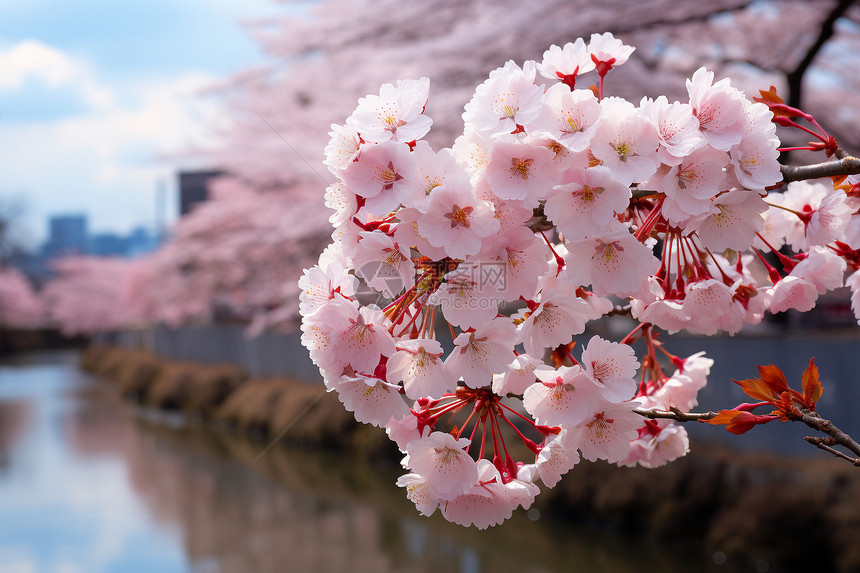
244	250
20	307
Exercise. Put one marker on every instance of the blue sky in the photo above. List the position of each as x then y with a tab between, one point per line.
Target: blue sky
94	92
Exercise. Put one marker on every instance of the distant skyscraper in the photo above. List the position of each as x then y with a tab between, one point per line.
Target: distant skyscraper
192	188
139	242
67	236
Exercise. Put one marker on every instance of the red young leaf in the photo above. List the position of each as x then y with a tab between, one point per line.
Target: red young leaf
739	422
561	353
755	388
811	385
774	378
841	182
774	102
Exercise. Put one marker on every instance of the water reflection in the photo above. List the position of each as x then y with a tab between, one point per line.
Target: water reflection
66	503
91	486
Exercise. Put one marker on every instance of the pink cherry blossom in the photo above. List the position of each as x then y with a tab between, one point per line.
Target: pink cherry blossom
732	221
507	99
755	157
625	141
556	318
792	292
443	462
612	367
384	174
419	493
823	268
520	171
519	375
586	201
561	397
656	450
569	117
513	263
457	221
405	429
480	354
677	127
359	335
607	51
567	62
606	431
468	299
719	108
489	502
692	183
371	399
614	263
417	364
396	114
557	457
853	282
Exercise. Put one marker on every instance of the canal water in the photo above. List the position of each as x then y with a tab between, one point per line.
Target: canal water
90	484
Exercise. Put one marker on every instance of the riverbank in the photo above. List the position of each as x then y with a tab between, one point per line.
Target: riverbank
778	514
17	340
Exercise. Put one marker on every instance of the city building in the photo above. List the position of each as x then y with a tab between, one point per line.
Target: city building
193	188
67	235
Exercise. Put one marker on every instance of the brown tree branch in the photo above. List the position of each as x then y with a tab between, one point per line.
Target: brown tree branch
846	165
539	222
675	414
810	418
837	436
795	77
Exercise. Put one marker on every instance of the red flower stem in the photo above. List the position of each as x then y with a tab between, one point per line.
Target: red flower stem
787	264
629	338
493	436
466	423
823	138
772	273
668	244
509	462
807	148
508	408
396	302
650	220
811	120
726	278
668	354
426	316
453	406
649	341
558	260
530	444
418	312
483	435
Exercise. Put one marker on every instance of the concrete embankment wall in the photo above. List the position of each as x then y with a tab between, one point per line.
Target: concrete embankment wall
837	354
268	354
791	513
225	396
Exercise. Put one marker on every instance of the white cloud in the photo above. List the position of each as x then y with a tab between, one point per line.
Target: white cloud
32	60
103	160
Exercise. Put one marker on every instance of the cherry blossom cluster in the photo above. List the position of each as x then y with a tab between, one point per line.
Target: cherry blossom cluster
445	307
